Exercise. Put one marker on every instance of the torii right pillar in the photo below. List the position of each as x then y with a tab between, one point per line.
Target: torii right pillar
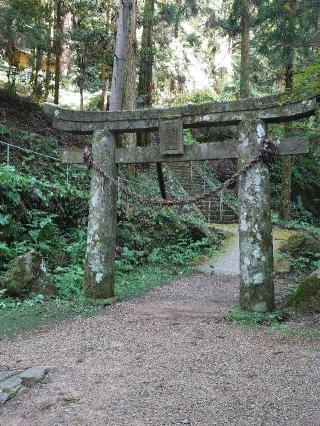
255	229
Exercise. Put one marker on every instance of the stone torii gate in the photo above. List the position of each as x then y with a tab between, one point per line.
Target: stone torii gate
255	230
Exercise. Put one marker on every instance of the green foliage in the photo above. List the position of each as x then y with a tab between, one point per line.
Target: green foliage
39	210
36	213
303	251
255	319
302	245
305	186
161	237
92	39
307	79
188	138
197	97
68	280
293	224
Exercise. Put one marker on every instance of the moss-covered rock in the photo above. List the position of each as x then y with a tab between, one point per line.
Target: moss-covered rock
28	277
302	245
306	298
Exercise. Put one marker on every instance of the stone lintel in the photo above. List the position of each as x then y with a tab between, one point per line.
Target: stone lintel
271	109
204	151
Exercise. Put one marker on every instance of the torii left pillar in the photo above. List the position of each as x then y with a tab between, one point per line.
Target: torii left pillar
99	271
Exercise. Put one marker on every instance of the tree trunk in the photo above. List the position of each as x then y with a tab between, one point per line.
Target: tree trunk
129	92
36	86
286	161
245	35
146	65
58	48
118	72
33	66
81	97
82	69
104	95
104	68
101	241
49	51
48	76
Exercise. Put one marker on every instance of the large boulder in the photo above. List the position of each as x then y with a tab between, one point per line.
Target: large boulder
306	298
302	245
28	277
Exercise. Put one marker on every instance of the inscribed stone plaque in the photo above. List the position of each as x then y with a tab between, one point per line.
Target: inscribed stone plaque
171	137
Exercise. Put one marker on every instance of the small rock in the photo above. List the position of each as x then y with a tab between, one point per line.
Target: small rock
4	396
185	421
28	276
10	383
306	298
9	387
5	374
33	375
302	245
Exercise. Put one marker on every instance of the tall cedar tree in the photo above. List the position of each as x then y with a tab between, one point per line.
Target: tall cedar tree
58	47
146	64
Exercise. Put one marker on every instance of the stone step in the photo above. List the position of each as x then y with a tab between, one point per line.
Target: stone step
211	206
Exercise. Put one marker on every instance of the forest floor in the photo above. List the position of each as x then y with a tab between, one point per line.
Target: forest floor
168	357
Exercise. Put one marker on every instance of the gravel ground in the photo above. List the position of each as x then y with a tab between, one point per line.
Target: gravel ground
161	359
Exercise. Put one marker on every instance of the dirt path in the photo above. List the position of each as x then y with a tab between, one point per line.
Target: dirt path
226	262
161	359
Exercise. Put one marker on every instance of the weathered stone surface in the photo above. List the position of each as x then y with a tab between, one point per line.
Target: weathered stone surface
5	374
255	233
99	265
9	387
33	374
171	137
11	382
28	276
4	396
306	298
270	109
203	151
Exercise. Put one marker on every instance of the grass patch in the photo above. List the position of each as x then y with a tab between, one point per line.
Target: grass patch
17	316
255	319
68	399
140	281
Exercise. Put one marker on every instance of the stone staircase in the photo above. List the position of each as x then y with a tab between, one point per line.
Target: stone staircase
194	183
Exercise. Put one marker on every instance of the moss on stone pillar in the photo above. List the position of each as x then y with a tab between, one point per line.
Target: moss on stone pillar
99	274
255	231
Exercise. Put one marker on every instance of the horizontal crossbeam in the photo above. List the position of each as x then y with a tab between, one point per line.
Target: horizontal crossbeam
199	152
271	109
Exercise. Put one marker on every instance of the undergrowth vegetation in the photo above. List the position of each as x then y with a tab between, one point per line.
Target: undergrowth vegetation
255	319
44	207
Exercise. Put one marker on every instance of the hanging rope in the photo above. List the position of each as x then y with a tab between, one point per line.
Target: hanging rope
265	155
10	145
